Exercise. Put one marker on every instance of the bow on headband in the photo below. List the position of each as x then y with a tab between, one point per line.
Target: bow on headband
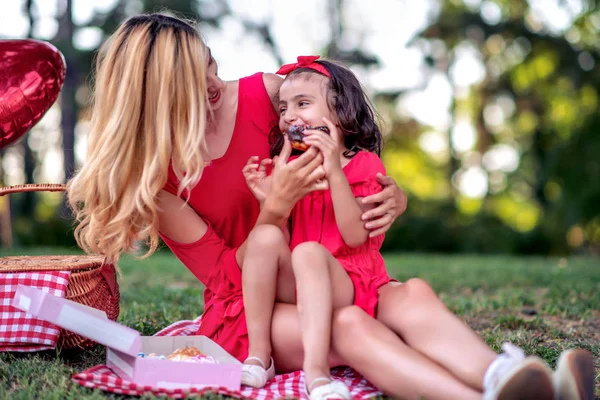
304	62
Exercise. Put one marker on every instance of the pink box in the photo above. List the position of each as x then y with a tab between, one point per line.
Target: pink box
123	344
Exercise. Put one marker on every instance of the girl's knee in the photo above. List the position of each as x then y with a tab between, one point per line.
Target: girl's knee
307	256
266	236
308	249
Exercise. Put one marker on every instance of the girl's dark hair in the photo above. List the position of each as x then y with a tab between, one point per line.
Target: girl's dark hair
347	99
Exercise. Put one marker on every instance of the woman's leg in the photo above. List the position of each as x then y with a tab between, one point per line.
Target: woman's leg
266	274
389	363
381	356
414	312
315	269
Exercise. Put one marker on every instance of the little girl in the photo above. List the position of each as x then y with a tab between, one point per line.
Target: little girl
327	239
327	252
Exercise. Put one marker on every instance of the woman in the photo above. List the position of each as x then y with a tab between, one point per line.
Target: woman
167	144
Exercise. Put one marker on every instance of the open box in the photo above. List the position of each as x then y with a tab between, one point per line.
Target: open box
123	345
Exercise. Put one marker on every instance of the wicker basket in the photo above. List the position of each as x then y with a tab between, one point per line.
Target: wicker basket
91	281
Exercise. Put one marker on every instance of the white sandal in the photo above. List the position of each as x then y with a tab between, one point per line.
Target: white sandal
333	390
257	375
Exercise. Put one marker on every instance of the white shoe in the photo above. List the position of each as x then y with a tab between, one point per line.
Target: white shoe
574	375
514	376
257	375
333	390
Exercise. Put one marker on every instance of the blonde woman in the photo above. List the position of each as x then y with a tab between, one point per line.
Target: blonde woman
166	148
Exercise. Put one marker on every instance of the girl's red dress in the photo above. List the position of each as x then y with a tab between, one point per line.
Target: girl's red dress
313	220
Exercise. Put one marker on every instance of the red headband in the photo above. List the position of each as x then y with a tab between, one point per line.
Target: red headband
304	62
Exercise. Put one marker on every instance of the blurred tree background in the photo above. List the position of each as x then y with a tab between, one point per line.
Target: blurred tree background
514	167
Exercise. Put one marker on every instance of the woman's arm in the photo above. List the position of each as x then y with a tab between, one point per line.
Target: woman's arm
178	221
272	84
291	181
193	241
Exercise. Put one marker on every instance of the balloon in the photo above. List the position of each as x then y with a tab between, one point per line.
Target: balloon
31	76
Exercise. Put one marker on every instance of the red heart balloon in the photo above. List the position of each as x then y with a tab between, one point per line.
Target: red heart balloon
31	76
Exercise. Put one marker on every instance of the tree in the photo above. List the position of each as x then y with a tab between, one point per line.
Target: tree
538	96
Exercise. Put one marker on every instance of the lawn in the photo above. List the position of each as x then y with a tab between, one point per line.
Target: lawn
545	305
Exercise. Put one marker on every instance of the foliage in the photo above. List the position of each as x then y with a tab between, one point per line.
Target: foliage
537	98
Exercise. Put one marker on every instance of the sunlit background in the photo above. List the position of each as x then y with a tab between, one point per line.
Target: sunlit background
490	108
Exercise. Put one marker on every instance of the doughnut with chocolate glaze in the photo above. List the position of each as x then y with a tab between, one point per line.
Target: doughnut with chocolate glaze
296	134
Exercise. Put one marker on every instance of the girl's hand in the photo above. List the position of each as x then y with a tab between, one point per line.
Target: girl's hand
390	203
256	177
328	145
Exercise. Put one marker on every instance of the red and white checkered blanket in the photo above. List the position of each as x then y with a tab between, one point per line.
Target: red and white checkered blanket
282	386
20	331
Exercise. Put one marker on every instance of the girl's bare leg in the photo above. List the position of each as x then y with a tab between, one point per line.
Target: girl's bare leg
414	312
389	363
315	269
286	337
266	272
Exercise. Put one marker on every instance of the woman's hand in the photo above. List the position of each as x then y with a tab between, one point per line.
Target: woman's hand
390	203
295	179
328	145
256	177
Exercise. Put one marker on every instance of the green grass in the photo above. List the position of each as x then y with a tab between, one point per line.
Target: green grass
545	305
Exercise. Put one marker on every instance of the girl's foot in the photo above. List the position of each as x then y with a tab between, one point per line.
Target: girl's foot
324	388
574	376
514	376
256	374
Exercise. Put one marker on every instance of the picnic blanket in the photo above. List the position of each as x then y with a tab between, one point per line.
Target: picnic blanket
20	331
282	386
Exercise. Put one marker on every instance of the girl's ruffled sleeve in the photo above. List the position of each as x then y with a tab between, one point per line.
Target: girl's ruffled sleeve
363	175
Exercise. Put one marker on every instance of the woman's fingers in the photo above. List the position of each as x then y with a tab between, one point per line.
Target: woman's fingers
304	159
377	222
380	231
379	211
385	180
385	194
306	170
316	175
286	150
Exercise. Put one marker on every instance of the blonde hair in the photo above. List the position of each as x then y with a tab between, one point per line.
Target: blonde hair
149	109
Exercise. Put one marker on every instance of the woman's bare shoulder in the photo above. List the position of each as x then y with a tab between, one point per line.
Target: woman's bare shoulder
272	84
